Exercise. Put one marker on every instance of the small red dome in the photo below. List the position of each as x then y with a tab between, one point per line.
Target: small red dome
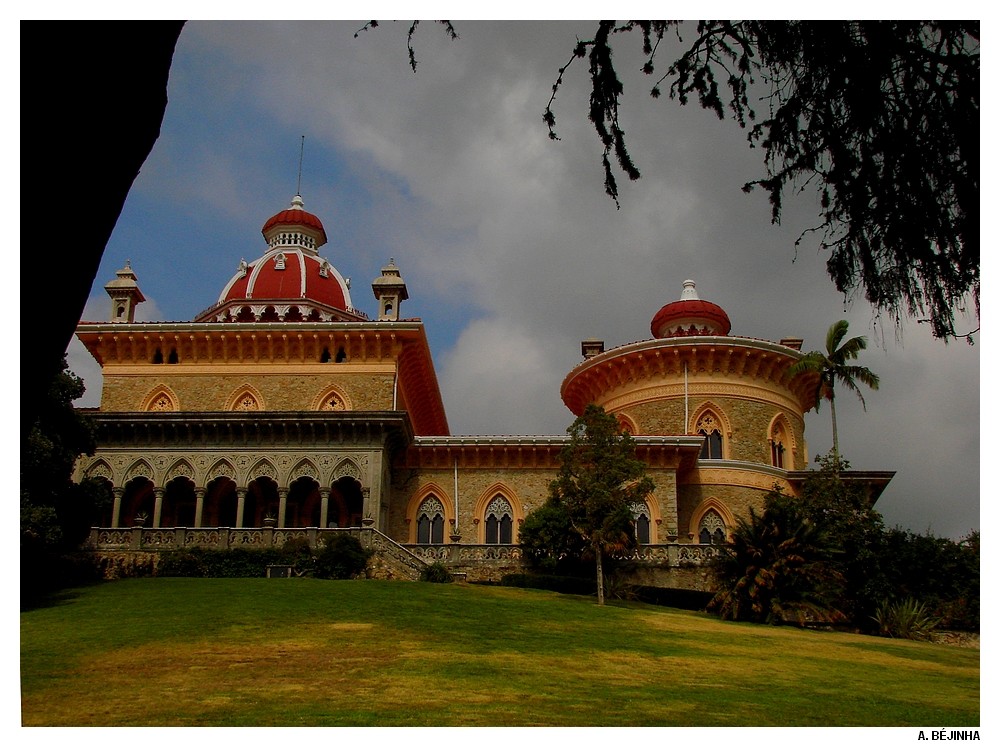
690	316
297	216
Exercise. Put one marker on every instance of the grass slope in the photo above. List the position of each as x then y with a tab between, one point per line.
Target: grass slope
269	652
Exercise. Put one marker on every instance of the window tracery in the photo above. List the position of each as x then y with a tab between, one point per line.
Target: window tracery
640	517
430	522
499	522
710	427
711	529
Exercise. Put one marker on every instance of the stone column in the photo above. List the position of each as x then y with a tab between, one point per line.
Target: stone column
116	510
367	513
241	499
375	494
282	505
324	507
670	511
199	505
157	506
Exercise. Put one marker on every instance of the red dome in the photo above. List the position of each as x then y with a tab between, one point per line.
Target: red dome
296	217
690	316
311	232
291	281
287	276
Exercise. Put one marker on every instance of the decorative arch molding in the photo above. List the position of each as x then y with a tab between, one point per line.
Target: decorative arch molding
221	468
627	423
139	468
655	518
180	468
711	418
707	505
332	399
710	407
416	501
262	468
780	430
246	398
305	468
483	504
347	467
100	469
161	398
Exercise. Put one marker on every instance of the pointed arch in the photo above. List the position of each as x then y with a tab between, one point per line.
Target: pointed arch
781	439
347	467
711	421
705	509
422	504
247	397
627	424
651	508
489	513
221	468
305	468
332	398
180	468
263	467
139	468
160	398
100	469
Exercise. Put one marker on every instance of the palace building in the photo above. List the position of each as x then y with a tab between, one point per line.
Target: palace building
282	410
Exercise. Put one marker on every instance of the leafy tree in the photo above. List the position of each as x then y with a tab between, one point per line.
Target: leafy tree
55	512
599	478
777	568
548	540
834	368
939	572
881	118
842	509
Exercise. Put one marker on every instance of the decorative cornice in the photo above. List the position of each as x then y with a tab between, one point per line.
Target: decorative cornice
251	430
542	452
658	362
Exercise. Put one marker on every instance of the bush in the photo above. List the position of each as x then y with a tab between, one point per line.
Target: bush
342	556
436	573
183	563
906	618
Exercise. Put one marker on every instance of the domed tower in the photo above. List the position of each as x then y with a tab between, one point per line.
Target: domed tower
694	378
291	281
727	403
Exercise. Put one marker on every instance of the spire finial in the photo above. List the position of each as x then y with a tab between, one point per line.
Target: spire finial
302	148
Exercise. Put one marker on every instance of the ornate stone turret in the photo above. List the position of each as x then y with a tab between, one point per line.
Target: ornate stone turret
125	294
390	290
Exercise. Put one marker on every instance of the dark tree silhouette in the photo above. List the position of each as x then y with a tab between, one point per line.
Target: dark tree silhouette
880	117
94	96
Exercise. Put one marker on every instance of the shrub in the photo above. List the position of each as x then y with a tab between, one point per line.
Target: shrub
297	553
342	556
184	563
906	618
436	573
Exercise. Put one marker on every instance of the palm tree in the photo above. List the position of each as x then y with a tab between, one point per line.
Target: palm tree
833	367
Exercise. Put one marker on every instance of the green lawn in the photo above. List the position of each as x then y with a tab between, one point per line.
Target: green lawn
286	652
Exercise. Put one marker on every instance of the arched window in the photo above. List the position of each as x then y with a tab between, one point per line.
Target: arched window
499	522
711	529
710	427
778	439
430	522
640	515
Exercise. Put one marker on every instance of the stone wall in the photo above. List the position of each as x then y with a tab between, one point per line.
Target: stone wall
281	392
